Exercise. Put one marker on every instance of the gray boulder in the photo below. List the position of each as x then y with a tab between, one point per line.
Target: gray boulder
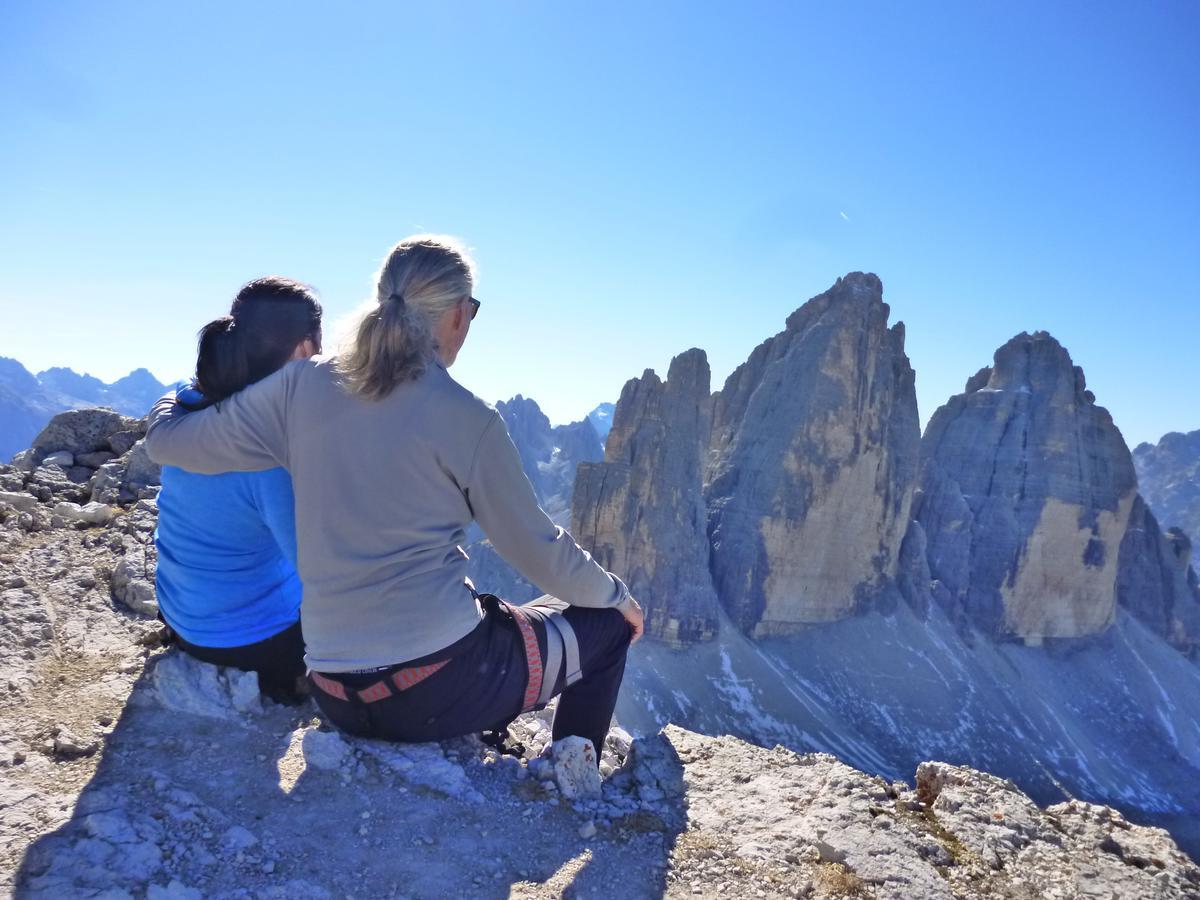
81	431
140	470
95	460
19	500
122	442
641	512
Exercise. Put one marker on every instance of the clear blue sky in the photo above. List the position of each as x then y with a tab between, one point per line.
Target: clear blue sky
636	179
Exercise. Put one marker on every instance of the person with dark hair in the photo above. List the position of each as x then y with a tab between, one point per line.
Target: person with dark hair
226	580
392	459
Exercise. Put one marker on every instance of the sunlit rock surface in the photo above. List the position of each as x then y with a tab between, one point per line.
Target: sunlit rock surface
641	511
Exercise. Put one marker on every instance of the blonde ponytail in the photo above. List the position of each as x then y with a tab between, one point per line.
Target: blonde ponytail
422	278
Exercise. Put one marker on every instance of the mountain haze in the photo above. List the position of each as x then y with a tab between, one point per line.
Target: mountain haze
28	401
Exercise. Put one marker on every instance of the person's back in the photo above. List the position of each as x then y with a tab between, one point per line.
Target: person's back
369	473
226	556
226	578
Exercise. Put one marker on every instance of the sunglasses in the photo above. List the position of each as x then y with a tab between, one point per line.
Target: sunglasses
474	306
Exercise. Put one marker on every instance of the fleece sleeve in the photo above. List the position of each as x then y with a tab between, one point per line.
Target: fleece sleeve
505	506
243	433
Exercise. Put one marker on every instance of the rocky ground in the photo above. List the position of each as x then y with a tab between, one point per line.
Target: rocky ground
130	770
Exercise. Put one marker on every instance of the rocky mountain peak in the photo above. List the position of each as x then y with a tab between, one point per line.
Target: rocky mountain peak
815	435
801	468
28	402
16	377
1029	503
1169	479
1037	363
641	511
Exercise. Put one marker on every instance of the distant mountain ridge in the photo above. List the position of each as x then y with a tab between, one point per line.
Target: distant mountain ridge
28	401
1169	476
549	455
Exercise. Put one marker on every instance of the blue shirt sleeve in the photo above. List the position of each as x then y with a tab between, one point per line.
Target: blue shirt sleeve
275	501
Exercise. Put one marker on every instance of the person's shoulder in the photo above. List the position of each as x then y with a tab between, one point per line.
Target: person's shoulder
456	400
314	367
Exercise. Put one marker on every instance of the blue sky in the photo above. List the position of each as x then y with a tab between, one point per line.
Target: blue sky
636	179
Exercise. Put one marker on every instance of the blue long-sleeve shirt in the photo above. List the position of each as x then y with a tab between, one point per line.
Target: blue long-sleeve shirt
227	556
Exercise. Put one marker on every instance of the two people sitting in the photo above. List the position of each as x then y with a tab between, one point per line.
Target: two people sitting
388	460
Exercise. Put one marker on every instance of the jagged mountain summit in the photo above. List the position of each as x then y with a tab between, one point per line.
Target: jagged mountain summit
1030	509
601	419
548	453
1169	478
794	481
642	512
28	402
995	592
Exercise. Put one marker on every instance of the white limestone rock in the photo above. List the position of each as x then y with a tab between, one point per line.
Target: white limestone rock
92	513
576	769
185	684
324	749
19	501
133	580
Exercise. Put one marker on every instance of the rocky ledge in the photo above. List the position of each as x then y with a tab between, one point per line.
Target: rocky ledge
128	770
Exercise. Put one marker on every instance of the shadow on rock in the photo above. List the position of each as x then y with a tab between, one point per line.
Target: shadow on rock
203	789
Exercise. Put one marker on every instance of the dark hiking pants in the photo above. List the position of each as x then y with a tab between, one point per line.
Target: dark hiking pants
481	685
278	660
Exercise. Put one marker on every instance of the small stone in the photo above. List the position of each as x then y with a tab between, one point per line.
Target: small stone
324	749
588	830
67	745
575	768
95	459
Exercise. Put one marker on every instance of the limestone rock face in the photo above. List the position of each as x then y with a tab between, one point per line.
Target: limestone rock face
1027	495
1169	479
641	512
1155	579
813	460
801	470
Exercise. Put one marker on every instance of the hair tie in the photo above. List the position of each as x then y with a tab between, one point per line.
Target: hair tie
397	297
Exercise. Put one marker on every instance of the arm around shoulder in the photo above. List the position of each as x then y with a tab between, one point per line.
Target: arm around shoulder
243	433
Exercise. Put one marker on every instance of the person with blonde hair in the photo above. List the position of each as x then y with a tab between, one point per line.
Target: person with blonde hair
391	460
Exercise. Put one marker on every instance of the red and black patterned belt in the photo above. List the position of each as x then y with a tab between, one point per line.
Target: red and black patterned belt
400	680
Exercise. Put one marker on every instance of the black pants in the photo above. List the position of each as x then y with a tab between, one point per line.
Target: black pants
483	685
278	660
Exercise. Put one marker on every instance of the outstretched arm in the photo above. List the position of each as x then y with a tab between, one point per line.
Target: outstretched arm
243	433
505	506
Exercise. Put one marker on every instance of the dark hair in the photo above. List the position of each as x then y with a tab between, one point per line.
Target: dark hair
269	317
